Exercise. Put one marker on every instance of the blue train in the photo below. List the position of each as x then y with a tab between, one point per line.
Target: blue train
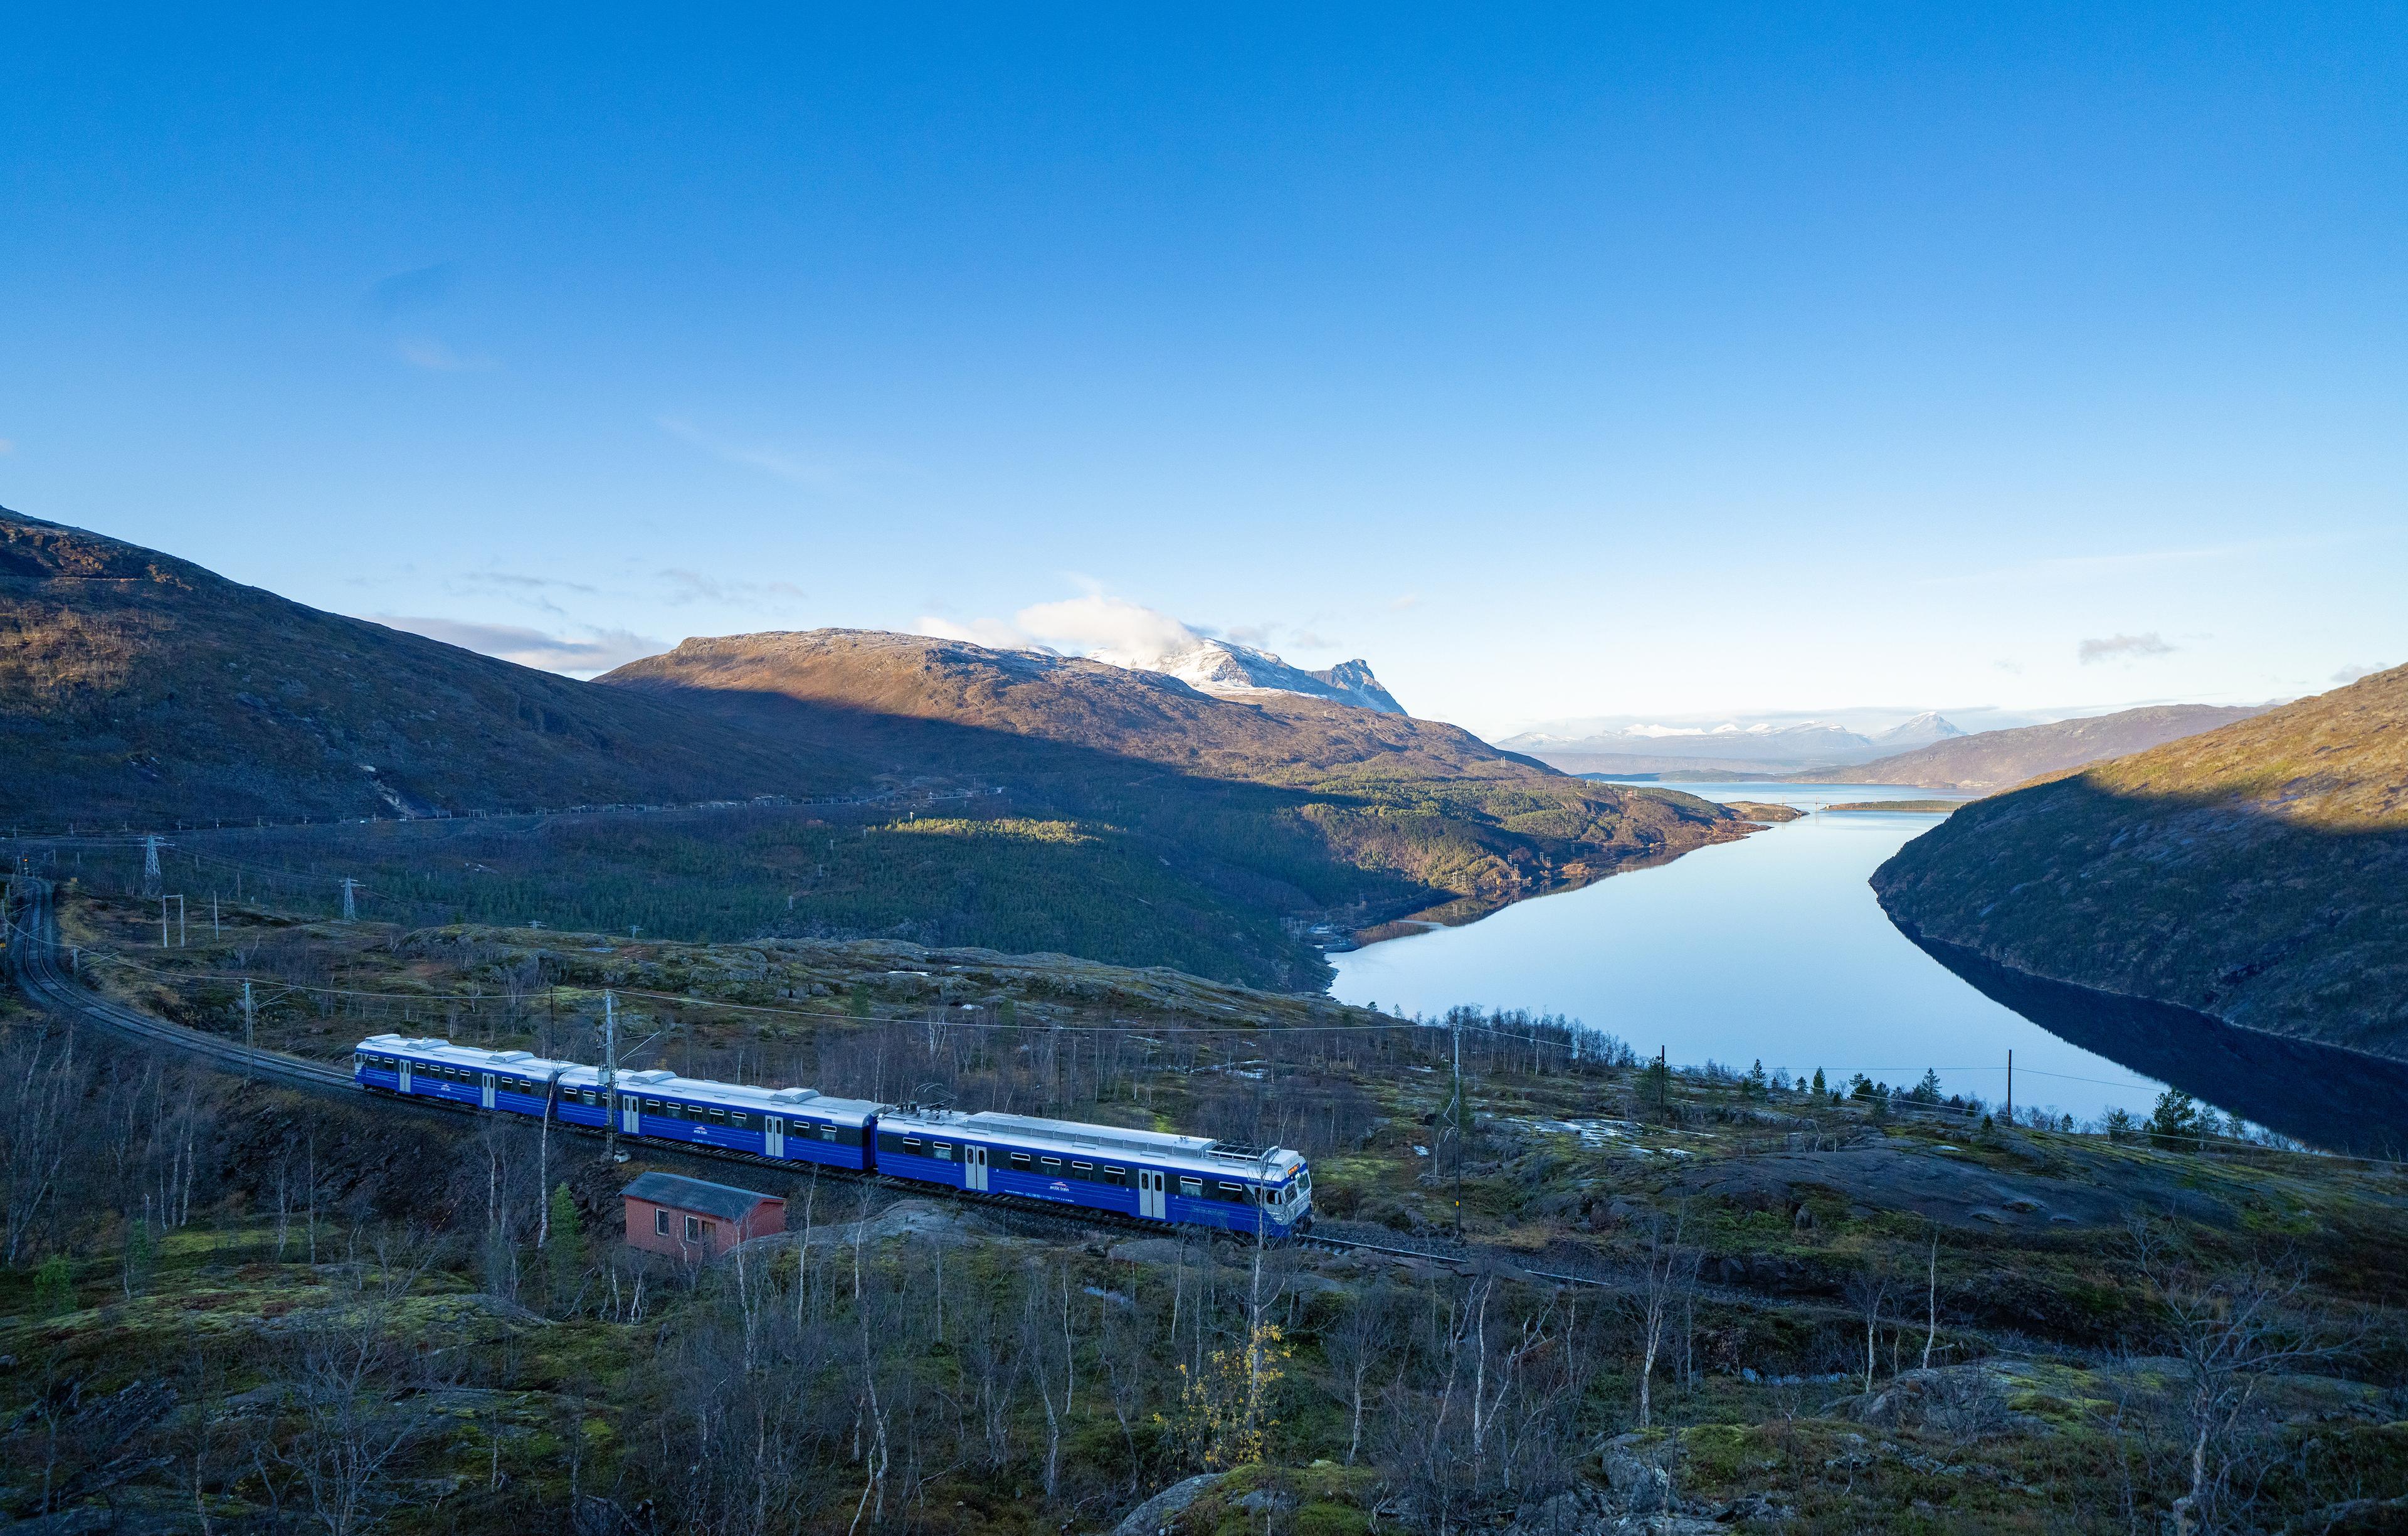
1180	1181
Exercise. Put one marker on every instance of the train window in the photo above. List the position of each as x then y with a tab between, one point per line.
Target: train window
1019	1160
653	1105
942	1151
912	1145
736	1118
827	1133
1192	1188
1082	1171
1116	1176
1229	1191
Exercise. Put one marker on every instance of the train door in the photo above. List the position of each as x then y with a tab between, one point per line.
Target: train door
630	1114
973	1167
485	1090
405	1074
773	1136
1150	1198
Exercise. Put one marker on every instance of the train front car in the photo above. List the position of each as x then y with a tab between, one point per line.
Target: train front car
1153	1175
788	1124
511	1082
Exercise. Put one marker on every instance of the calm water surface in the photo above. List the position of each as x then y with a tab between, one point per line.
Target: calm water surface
1770	948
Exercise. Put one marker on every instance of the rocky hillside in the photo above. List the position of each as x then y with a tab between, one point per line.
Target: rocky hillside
2258	873
1996	759
1116	813
138	686
967	706
1373	811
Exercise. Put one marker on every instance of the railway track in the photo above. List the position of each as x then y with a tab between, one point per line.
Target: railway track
32	961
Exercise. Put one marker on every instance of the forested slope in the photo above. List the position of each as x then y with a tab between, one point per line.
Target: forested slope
2258	872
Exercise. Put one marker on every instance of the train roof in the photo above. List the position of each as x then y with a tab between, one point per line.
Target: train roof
521	1063
1193	1152
764	1100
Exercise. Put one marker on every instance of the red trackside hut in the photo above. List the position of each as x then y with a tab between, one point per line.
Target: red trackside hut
689	1218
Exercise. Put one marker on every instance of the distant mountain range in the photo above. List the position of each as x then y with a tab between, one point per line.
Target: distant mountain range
2257	873
1762	746
1990	760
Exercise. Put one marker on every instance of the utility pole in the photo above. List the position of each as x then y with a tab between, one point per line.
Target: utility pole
1455	1114
152	843
249	1017
349	886
2011	1086
610	1078
215	932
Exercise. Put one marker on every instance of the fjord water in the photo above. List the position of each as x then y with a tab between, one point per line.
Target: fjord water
1771	948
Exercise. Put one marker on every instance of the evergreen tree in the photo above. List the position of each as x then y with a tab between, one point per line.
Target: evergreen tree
1820	1087
1757	1084
54	1288
1928	1091
2174	1119
2119	1124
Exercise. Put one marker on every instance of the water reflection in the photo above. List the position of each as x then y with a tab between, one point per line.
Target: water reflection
2342	1100
1773	949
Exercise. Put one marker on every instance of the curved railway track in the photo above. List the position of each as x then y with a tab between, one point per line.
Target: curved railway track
32	961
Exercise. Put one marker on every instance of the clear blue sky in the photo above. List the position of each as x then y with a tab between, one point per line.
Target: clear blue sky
1613	359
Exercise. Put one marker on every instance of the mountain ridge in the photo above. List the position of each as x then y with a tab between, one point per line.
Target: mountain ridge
2254	872
1992	760
135	684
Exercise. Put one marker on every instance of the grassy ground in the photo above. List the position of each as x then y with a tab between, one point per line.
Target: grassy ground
2035	1265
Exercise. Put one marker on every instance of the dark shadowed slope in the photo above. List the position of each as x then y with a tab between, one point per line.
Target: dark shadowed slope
1996	759
136	685
2258	873
1427	812
892	687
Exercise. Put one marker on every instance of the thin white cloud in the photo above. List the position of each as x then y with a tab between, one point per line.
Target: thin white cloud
600	650
409	293
2352	672
694	586
1405	600
795	470
2122	647
1106	628
995	634
2084	568
6	445
1110	629
424	352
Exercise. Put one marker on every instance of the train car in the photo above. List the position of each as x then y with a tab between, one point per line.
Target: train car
1177	1180
789	1124
511	1082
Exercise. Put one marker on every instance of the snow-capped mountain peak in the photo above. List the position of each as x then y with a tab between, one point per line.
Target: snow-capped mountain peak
1921	731
1232	670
